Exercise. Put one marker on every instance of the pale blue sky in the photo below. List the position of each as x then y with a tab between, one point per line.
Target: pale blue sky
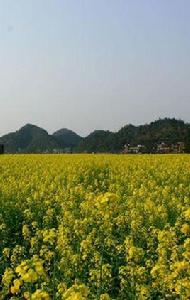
93	64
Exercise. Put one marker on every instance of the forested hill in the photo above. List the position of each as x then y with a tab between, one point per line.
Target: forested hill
33	139
167	130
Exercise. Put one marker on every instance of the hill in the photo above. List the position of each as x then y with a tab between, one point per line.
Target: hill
33	139
29	138
67	138
97	141
168	130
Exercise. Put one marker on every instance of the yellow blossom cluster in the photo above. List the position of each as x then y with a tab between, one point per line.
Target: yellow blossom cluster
94	227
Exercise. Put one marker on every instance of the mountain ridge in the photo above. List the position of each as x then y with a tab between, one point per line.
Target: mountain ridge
33	139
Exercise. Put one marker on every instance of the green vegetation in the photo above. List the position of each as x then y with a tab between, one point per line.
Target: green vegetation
95	227
170	130
32	139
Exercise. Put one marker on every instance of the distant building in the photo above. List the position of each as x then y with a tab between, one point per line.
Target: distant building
66	150
179	147
128	149
2	149
164	147
161	148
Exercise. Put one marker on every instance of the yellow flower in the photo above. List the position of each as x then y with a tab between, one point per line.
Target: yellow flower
40	295
25	231
6	252
187	214
27	295
102	219
16	286
30	276
185	229
7	276
76	292
104	297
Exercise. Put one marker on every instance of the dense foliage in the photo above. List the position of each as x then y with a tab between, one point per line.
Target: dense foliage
32	139
67	138
79	227
149	135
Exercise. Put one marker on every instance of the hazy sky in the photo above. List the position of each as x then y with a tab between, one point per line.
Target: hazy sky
86	64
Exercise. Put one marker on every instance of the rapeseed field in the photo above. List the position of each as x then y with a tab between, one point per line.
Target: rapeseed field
78	227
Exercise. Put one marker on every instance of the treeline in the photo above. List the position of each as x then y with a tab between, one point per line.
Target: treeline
149	135
33	139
